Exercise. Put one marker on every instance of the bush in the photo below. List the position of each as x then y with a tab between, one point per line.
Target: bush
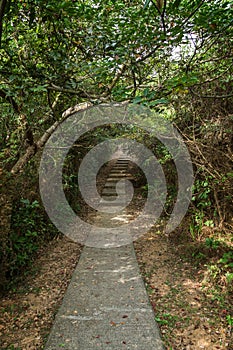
29	230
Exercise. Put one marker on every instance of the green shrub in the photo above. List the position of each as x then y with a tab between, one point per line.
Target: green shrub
29	230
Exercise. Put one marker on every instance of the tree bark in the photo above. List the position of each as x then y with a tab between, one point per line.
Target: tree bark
33	149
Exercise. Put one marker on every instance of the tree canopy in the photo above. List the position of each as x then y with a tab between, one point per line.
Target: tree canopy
57	53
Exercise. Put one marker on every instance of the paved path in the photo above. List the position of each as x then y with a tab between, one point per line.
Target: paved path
106	305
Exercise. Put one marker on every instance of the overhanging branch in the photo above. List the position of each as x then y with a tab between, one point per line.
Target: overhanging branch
85	94
33	149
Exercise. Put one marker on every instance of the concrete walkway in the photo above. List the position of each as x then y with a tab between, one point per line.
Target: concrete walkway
106	305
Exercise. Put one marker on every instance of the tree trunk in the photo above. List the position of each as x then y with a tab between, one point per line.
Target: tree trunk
32	150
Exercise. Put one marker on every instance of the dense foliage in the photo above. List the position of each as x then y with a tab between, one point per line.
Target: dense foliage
54	54
173	56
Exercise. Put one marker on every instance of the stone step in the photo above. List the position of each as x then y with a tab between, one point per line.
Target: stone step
122	162
110	184
121	165
111	191
117	179
118	170
120	175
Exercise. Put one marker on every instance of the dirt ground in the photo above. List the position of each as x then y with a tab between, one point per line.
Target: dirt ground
190	314
190	308
26	315
190	318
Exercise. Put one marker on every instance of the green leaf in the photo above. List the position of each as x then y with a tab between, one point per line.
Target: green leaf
39	88
137	99
146	4
158	102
